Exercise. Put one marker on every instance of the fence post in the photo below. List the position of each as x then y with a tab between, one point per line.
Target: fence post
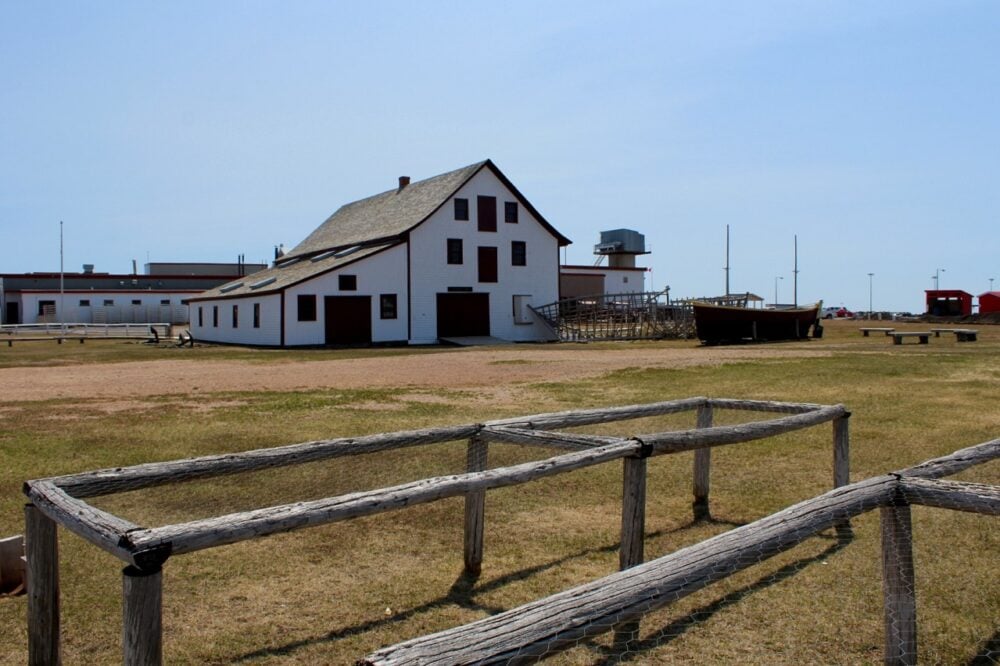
631	551
702	469
899	592
142	616
41	548
475	507
842	465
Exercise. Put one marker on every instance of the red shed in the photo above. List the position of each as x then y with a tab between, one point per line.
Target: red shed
949	302
989	302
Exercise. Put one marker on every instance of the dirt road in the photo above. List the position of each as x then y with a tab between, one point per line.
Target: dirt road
461	368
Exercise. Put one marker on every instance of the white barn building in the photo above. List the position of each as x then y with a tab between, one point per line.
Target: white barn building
460	254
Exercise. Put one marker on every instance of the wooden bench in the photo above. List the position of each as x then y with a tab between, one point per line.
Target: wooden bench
922	336
887	331
965	335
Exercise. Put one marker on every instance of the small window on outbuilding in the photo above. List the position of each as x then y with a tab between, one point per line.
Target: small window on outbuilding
84	302
256	315
462	209
136	301
347	282
164	301
510	212
108	302
518	253
215	316
307	307
455	251
236	316
387	306
201	316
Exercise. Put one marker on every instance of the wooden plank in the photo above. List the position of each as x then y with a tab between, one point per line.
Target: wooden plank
956	462
220	530
100	528
764	405
42	552
702	469
546	438
142	616
674	442
545	626
631	551
120	479
582	417
898	586
956	495
475	507
842	465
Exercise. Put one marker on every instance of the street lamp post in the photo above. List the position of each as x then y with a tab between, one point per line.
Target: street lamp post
937	278
991	284
870	275
776	290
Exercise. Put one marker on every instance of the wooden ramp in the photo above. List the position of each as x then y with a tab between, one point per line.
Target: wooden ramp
475	341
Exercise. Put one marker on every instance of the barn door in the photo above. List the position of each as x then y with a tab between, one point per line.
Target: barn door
463	314
348	320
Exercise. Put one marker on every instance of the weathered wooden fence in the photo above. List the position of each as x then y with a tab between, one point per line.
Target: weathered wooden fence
60	500
527	633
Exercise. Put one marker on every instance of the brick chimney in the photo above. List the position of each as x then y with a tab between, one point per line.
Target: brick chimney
403	182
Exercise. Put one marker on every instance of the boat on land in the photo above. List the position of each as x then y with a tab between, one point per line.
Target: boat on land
733	324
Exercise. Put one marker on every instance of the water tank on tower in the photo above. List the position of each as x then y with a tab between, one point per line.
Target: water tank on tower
621	246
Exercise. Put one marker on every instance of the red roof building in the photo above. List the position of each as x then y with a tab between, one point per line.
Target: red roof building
989	302
949	302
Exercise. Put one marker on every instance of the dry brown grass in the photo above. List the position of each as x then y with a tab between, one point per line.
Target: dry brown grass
332	594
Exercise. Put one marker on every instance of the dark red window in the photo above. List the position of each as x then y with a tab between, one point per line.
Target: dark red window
487	264
486	211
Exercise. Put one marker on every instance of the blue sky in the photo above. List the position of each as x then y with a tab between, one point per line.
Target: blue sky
190	131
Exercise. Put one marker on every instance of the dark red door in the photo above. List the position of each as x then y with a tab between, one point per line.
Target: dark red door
463	314
348	320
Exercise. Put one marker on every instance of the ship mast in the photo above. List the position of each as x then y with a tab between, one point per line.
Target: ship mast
727	261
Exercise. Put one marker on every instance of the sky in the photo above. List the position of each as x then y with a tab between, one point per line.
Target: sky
192	131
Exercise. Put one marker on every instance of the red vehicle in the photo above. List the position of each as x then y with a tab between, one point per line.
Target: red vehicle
838	313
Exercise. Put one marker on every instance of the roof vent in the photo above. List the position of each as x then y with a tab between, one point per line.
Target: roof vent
403	182
88	269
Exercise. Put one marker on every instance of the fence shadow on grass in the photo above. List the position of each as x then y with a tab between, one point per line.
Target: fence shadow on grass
636	649
989	653
462	594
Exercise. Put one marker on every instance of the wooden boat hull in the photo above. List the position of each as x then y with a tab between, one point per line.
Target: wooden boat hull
720	324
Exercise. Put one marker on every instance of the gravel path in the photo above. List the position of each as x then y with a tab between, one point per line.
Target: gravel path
461	368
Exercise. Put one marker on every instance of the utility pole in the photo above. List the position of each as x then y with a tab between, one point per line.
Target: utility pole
870	295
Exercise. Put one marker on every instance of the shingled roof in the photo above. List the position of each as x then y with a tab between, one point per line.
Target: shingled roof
391	214
290	273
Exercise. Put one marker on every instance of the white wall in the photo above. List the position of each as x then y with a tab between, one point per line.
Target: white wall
432	274
382	273
122	309
269	333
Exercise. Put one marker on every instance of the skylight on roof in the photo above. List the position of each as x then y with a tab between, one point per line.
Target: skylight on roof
263	283
346	251
323	255
231	287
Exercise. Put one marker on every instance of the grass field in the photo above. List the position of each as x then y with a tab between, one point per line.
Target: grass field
332	594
